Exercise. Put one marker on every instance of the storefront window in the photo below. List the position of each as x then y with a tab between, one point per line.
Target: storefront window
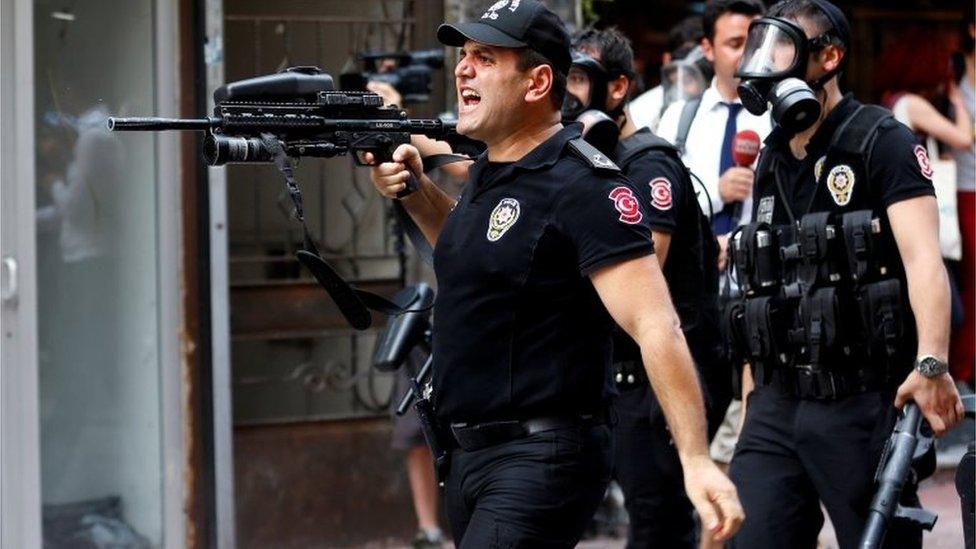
98	322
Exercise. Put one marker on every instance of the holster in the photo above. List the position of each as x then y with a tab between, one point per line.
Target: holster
435	441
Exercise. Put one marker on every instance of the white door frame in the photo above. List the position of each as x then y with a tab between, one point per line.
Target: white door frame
20	478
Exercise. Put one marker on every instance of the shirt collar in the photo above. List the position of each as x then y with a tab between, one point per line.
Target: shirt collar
712	98
821	138
544	155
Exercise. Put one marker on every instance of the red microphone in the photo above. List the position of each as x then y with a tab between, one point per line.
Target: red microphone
745	149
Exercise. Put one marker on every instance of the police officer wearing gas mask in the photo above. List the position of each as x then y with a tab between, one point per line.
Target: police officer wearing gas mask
845	313
646	463
542	251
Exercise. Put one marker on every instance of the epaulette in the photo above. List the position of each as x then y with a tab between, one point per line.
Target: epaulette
592	156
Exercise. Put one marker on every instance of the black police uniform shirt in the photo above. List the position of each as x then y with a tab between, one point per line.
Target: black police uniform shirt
833	181
665	190
520	332
899	170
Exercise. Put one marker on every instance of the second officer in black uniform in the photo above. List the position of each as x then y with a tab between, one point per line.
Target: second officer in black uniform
846	307
645	461
545	244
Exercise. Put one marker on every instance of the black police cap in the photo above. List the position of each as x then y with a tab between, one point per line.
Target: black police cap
515	24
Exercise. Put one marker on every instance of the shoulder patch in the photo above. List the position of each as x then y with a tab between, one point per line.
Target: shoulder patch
661	195
591	155
924	163
626	204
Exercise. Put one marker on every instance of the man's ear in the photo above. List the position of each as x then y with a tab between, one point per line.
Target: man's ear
831	56
540	83
707	51
618	88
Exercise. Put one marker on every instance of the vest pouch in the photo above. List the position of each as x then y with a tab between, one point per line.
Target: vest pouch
882	317
734	331
766	321
820	319
862	244
755	254
817	253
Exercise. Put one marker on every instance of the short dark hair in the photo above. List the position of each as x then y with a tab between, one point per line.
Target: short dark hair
717	8
688	31
530	59
811	13
616	53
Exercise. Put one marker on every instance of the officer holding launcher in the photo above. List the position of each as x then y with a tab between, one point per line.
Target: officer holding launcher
542	252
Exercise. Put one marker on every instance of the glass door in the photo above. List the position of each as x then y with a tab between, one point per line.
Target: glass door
96	215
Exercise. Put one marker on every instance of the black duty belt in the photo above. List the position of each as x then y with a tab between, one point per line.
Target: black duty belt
476	436
827	384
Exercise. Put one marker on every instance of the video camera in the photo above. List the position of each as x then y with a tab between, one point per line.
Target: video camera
409	72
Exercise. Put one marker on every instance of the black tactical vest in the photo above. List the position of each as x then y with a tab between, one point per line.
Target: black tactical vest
824	299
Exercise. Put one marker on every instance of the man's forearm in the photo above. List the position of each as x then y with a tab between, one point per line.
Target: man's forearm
672	374
928	291
429	207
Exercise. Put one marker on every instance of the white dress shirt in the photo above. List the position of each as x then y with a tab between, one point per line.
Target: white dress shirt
703	147
645	109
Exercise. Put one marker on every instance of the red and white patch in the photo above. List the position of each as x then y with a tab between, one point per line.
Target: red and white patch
661	197
626	203
924	164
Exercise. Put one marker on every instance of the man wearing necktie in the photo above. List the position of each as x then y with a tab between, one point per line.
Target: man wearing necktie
738	180
708	148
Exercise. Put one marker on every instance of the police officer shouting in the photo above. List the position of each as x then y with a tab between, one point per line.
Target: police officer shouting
846	308
646	463
546	246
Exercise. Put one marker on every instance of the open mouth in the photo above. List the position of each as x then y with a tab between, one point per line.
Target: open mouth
470	98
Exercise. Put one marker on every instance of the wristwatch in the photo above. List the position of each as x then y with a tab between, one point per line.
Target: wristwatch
929	366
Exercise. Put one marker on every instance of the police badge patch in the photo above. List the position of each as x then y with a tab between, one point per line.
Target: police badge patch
840	183
505	214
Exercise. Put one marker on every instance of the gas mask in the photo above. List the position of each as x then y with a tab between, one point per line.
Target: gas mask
599	127
773	69
684	78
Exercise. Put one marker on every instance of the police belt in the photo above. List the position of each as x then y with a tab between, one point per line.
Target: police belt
810	384
476	436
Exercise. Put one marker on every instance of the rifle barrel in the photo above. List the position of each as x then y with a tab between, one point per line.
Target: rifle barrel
157	124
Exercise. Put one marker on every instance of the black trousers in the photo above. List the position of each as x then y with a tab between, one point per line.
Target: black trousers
793	454
649	472
535	492
646	462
